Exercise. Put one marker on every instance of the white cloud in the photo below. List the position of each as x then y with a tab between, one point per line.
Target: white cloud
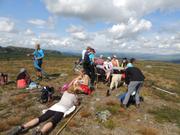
109	10
40	23
29	32
77	32
6	25
133	27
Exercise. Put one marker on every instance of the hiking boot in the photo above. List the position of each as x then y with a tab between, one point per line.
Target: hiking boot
37	132
108	93
17	130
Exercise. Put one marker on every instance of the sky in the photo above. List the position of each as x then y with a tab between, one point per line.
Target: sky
119	26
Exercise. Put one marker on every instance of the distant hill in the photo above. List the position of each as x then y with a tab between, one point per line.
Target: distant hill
17	52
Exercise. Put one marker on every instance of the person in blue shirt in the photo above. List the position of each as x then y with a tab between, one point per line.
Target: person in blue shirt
38	56
131	62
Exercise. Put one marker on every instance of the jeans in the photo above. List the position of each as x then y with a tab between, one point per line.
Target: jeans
133	86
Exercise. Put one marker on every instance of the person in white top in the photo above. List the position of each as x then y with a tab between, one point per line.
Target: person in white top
55	112
108	68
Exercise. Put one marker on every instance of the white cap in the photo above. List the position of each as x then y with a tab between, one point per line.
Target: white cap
109	58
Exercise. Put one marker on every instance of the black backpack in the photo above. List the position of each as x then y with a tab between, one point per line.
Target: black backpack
86	57
46	94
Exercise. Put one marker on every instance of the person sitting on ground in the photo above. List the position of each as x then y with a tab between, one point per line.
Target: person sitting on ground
131	62
99	61
55	112
82	82
115	61
3	79
134	79
108	68
23	78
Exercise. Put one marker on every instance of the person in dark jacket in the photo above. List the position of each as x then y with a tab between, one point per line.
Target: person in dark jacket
134	79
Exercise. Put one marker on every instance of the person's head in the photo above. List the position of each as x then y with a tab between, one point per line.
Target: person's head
132	60
22	70
108	58
37	46
88	49
101	56
72	90
93	50
114	57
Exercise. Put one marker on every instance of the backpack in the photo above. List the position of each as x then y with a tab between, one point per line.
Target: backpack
86	57
46	94
3	79
132	100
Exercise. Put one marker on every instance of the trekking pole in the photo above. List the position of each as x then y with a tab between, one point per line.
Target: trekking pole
72	116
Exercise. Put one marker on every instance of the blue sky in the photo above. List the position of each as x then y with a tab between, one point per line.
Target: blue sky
115	25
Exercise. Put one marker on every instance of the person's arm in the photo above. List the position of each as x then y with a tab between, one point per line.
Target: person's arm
77	101
117	63
127	79
86	80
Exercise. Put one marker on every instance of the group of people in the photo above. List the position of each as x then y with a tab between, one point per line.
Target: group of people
83	83
132	75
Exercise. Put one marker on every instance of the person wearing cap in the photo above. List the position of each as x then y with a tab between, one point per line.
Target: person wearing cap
55	113
23	78
115	61
108	68
131	62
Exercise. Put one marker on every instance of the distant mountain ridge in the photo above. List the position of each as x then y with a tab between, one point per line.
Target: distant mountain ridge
12	52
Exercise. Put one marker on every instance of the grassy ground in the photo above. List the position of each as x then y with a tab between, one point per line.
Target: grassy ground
158	115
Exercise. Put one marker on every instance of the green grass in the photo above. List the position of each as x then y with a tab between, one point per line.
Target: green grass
110	124
166	114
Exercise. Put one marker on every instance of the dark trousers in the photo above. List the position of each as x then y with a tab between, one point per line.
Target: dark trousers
55	117
86	67
93	75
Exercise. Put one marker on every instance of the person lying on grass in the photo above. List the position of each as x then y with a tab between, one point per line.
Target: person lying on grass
55	112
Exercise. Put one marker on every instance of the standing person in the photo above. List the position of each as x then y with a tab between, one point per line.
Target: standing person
92	66
124	62
134	79
38	55
115	61
86	61
55	112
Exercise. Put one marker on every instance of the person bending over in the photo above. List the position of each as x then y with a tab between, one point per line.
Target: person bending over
134	79
55	112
